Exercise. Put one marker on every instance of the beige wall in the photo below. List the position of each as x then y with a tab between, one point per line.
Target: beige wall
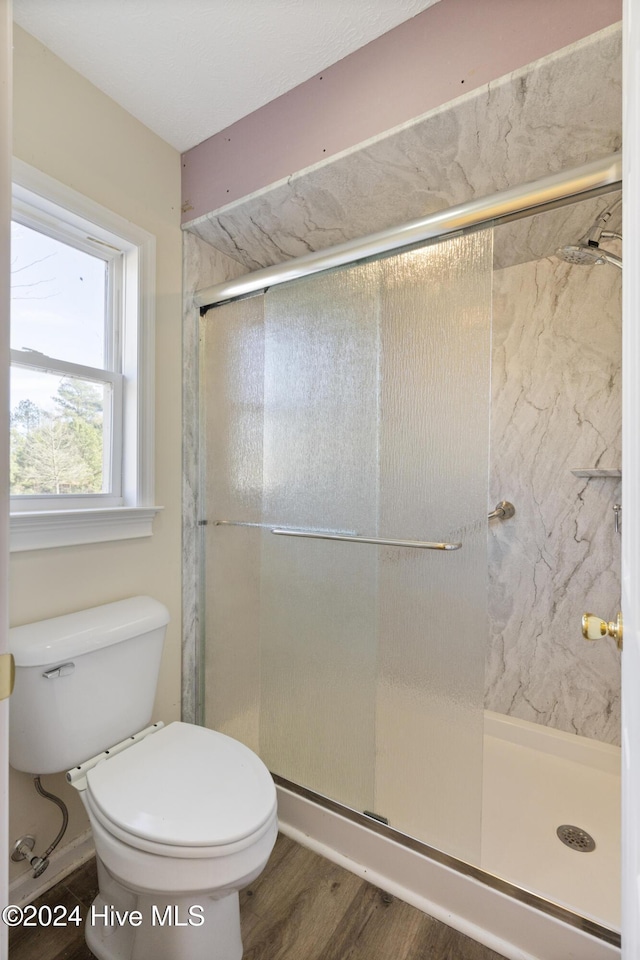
68	129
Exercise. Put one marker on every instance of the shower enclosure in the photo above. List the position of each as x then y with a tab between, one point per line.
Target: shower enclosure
367	628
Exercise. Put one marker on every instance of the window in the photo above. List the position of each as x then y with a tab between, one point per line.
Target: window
81	369
66	380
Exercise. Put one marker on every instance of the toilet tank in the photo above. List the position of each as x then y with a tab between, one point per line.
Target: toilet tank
84	682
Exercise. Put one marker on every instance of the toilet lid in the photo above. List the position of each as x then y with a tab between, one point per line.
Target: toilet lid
185	786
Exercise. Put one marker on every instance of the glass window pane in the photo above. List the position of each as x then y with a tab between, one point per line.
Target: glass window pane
57	434
58	297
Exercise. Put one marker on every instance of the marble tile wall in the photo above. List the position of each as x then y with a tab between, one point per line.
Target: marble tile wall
556	113
556	407
553	351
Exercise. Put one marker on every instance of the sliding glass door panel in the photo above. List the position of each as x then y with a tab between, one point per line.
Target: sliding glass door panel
320	467
355	403
433	484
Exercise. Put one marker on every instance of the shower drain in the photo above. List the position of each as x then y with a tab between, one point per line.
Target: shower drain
576	838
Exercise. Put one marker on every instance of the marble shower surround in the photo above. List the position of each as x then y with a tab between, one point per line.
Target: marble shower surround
553	114
556	407
558	112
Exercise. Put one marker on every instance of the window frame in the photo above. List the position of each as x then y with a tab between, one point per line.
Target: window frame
45	204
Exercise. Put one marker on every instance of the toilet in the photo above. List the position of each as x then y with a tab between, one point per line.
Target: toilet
182	817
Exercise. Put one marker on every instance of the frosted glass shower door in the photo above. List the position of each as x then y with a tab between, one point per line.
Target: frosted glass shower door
376	423
433	484
289	399
318	598
232	421
355	403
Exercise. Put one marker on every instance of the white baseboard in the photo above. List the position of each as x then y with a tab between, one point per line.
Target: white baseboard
62	862
508	926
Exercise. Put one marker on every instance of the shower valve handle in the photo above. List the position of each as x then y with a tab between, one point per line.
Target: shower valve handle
593	628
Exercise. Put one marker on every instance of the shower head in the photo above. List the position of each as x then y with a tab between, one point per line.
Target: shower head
583	253
587	251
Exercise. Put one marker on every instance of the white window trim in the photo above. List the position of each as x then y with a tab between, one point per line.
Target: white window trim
38	529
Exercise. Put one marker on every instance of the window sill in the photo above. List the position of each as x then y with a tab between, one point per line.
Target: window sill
65	528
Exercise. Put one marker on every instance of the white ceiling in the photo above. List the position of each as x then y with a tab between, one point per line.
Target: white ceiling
189	68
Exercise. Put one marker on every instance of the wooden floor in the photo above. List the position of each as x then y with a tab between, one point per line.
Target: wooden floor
302	907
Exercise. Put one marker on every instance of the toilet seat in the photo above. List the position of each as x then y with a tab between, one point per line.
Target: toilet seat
184	791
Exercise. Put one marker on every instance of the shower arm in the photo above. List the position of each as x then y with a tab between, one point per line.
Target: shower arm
610	257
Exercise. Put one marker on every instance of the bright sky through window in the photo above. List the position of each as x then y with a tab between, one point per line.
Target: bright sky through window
58	304
58	298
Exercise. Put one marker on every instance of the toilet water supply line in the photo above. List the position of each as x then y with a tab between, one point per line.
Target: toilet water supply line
24	847
78	779
41	863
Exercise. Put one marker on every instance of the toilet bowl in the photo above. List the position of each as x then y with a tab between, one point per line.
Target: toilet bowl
182	817
182	821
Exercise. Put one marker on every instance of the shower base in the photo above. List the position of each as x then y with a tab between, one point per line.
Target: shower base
536	779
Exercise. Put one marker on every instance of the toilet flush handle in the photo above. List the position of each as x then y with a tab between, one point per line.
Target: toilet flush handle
62	671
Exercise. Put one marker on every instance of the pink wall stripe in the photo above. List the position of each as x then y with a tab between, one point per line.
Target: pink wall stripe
449	49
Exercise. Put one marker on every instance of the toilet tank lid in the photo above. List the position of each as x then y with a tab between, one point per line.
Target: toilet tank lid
51	641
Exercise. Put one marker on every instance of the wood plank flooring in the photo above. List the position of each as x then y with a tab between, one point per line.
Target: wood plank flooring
302	907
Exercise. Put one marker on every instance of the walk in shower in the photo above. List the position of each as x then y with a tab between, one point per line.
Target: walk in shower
373	626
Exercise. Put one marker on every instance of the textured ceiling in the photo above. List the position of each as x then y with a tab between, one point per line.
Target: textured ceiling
189	68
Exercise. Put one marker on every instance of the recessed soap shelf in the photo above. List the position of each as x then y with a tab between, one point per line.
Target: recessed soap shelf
594	472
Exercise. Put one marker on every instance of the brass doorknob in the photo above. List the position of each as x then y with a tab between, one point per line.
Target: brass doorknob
593	628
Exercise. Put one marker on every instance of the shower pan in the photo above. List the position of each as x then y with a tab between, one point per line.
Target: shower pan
398	661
